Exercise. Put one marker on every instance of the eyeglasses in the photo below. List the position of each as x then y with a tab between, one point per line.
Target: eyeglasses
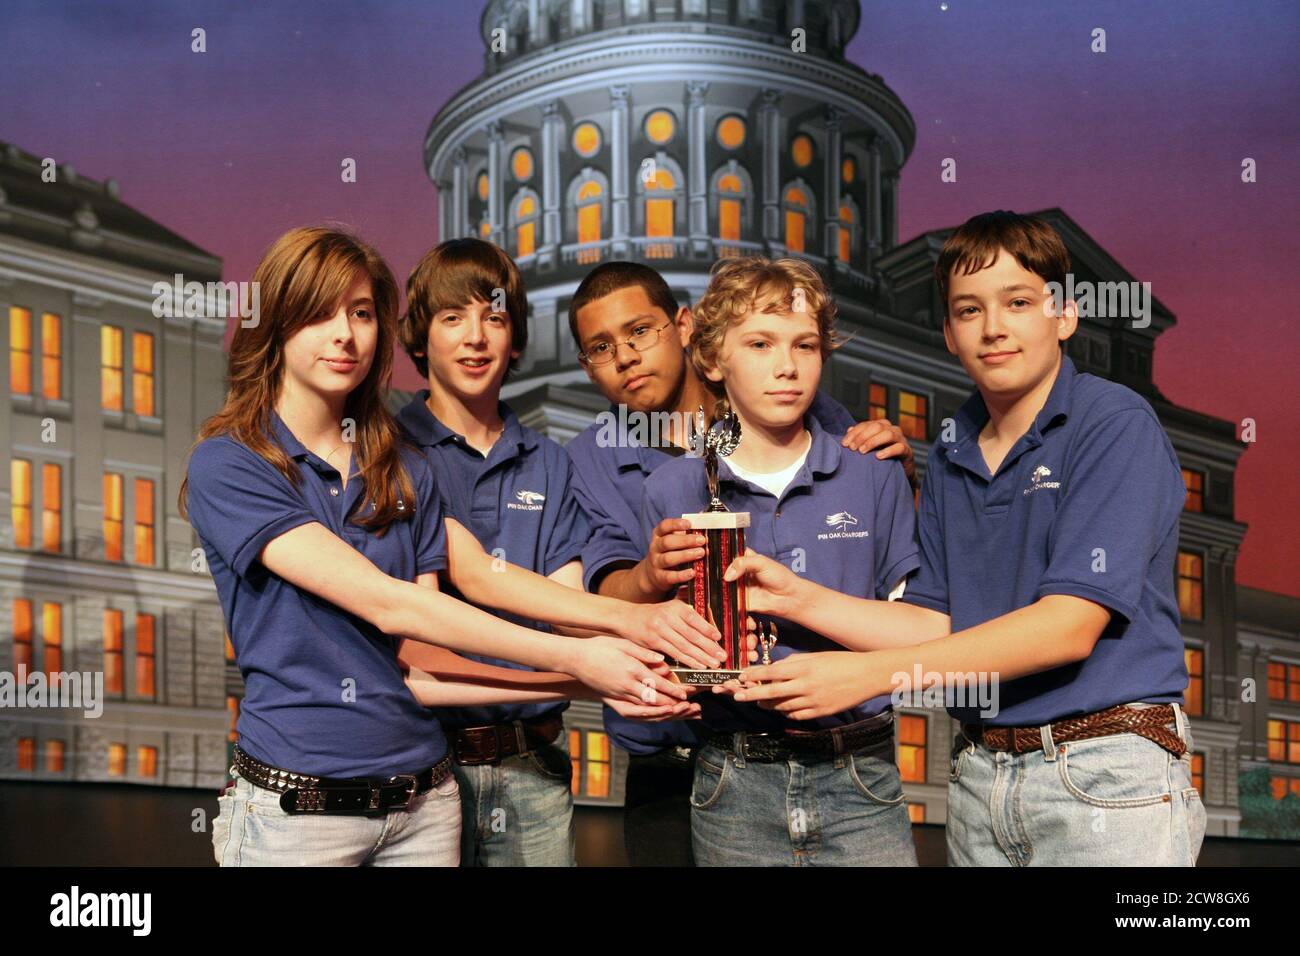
642	339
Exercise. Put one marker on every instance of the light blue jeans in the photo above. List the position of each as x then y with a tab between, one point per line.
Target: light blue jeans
519	812
847	811
1119	800
252	830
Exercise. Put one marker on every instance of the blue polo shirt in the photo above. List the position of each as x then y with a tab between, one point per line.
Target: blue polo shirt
1086	503
518	502
846	521
609	481
323	692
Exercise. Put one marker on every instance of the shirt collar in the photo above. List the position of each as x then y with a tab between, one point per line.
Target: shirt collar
973	413
427	430
823	455
297	451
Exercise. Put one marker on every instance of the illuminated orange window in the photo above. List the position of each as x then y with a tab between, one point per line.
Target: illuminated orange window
51	507
848	169
659	214
20	481
1293	741
1277	740
22	614
728	208
660	126
877	402
526	230
1191	575
1276	680
112	650
521	164
55	751
1195	482
110	367
913	415
846	233
112	517
801	151
147	758
482	186
117	760
731	132
52	640
586	140
1293	682
232	708
145	659
911	747
1194	697
575	758
1282	787
484	229
51	356
142	373
1198	772
26	753
598	764
230	649
916	812
796	219
589	226
144	538
20	350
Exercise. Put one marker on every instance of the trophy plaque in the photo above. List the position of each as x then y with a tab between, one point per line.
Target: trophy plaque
722	603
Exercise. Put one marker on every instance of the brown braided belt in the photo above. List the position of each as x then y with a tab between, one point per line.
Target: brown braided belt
350	796
1148	722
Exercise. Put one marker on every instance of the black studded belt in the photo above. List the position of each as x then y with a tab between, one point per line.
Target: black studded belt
355	796
809	744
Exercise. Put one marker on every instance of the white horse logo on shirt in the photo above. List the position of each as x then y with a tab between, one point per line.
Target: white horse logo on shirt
842	518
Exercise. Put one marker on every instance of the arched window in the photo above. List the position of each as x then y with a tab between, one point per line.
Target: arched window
732	195
524	213
797	203
588	196
848	229
659	182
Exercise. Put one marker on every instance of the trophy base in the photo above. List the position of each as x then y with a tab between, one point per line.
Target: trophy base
703	678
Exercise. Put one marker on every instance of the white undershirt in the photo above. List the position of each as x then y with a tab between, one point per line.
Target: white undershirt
777	481
774	481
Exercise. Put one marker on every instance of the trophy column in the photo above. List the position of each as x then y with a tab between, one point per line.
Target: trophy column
720	602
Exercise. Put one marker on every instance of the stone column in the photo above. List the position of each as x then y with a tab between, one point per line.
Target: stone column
552	227
496	194
769	122
619	159
697	174
833	158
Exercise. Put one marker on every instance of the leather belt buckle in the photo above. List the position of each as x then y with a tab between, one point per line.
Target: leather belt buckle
377	803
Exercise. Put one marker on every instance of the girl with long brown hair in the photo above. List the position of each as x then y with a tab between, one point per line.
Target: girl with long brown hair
324	536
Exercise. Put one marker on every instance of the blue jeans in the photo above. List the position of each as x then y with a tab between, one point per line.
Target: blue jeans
519	812
846	811
252	830
1119	800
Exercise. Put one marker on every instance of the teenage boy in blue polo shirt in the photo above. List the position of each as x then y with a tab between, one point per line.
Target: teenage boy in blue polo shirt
465	326
632	340
769	790
1048	530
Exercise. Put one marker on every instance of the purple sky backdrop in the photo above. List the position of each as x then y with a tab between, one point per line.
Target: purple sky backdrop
1141	145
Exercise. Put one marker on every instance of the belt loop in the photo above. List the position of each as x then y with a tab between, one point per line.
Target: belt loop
738	747
1180	720
1049	745
520	738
